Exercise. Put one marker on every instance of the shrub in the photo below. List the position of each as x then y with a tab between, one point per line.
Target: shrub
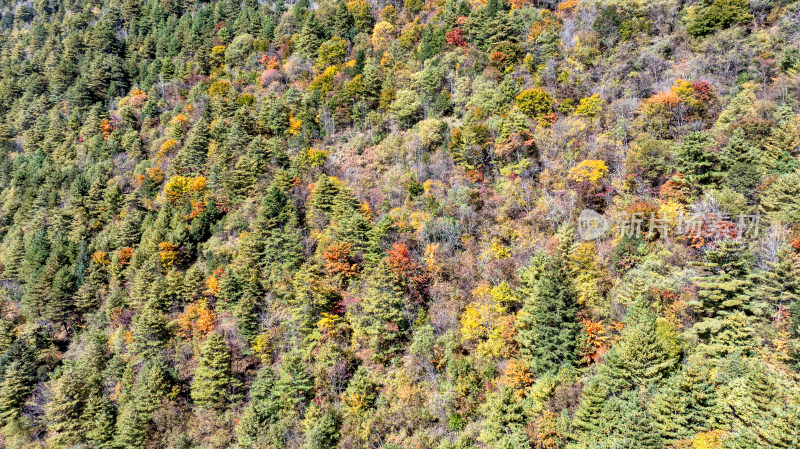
719	15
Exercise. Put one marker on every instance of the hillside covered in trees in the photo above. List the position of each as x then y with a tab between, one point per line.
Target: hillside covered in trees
360	224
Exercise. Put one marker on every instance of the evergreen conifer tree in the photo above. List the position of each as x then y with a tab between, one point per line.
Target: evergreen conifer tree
688	404
310	37
725	288
548	329
249	306
589	418
505	421
342	21
18	381
779	286
150	333
214	385
192	157
102	418
381	317
260	412
146	396
740	159
780	148
697	161
322	428
642	357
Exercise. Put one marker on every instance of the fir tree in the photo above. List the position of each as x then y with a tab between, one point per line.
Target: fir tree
150	333
249	306
242	177
735	335
725	288
18	381
688	404
764	393
322	428
781	147
65	410
146	396
260	411
669	410
214	385
381	316
144	281
342	21
642	357
547	326
293	385
59	303
740	159
589	418
309	39
283	252
778	200
780	285
777	432
102	418
635	427
697	161
192	157
36	254
276	211
746	392
14	254
323	201
505	421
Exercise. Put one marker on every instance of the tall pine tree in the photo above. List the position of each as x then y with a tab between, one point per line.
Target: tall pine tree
548	329
214	385
725	287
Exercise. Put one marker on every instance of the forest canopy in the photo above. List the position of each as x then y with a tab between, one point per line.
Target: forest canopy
357	224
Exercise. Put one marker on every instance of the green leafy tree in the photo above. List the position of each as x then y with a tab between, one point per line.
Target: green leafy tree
534	102
239	49
714	15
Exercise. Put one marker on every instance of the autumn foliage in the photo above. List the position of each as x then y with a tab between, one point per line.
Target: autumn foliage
197	321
